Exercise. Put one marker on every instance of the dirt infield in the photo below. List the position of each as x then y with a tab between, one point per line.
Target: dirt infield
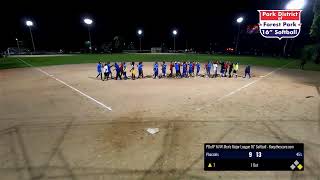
50	131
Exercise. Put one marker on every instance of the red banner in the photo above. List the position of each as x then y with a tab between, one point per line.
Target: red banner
280	15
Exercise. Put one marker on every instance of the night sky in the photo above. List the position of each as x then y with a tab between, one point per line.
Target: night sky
59	25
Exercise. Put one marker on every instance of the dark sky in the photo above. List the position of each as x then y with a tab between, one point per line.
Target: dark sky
58	24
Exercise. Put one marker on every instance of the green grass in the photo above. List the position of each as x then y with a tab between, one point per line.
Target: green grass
12	62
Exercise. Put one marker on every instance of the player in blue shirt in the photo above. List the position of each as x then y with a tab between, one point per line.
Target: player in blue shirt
184	69
140	66
156	70
198	68
190	69
109	69
176	66
209	68
164	69
99	70
118	71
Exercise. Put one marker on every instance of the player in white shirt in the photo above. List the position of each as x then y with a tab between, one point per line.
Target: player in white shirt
105	71
215	69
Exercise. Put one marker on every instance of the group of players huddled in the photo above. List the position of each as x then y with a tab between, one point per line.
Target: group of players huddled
189	69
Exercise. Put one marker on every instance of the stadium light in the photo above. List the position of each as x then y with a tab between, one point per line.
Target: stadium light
88	22
29	24
174	32
296	4
239	21
293	5
140	32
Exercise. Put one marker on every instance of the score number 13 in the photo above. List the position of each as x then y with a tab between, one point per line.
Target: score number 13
258	154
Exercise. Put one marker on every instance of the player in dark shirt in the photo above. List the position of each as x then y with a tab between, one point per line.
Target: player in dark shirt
247	71
230	69
171	69
222	69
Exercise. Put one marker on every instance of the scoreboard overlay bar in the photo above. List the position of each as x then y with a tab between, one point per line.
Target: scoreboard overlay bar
254	157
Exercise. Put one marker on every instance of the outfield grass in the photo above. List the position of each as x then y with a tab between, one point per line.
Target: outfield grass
13	62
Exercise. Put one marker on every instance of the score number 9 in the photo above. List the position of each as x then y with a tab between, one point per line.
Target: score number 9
258	154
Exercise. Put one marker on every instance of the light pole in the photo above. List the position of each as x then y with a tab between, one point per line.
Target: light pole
239	21
174	33
18	45
292	5
140	32
88	22
30	24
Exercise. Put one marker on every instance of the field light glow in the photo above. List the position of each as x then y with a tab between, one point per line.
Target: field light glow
88	21
296	4
240	19
174	32
139	31
29	23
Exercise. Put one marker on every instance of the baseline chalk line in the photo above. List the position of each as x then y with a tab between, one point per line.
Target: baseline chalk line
253	82
64	83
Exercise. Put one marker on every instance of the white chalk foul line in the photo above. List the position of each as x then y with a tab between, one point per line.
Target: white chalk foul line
237	90
64	83
253	82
